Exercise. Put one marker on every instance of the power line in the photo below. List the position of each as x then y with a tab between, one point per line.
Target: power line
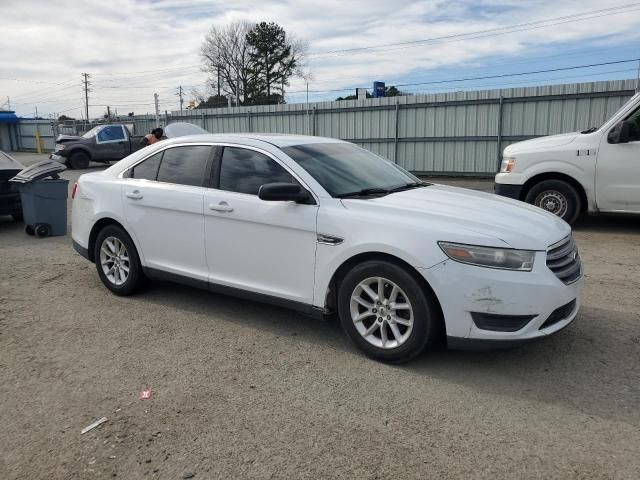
491	31
484	77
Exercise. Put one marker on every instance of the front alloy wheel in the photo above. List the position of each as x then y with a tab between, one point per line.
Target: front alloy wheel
388	311
381	312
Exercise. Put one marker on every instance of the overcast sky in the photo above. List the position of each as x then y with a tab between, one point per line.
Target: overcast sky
133	48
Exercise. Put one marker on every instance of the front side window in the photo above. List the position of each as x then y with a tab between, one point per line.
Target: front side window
111	133
245	171
634	126
343	168
184	165
148	169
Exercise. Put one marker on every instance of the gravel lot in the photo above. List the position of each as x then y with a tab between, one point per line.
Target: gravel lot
243	390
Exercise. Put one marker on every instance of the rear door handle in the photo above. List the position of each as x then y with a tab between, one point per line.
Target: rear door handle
135	195
220	207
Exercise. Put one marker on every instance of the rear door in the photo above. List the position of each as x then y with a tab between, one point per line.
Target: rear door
252	244
163	199
112	143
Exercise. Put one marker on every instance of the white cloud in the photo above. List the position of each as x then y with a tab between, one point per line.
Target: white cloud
55	42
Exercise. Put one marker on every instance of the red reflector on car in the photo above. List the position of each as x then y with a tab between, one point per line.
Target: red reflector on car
74	190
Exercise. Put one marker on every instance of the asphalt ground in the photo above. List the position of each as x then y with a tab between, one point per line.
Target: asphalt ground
244	390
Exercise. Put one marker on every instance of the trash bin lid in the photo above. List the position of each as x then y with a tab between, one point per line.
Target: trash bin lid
38	171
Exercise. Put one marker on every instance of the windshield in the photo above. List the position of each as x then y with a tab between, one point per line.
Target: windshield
343	168
91	132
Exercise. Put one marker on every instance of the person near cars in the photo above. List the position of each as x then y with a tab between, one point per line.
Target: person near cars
153	137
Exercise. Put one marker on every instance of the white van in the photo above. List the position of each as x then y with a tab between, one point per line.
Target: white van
594	171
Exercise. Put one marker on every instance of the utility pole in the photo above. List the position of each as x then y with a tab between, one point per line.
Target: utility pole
218	80
180	93
155	100
85	82
8	102
238	91
108	113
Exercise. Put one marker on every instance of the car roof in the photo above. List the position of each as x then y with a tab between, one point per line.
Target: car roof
276	139
7	162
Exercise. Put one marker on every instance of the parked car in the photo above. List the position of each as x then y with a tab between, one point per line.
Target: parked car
106	143
9	194
594	171
322	225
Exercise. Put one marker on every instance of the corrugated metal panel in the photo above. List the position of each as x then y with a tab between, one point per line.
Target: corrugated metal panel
455	132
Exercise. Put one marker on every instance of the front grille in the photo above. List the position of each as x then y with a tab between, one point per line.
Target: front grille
559	314
563	260
500	323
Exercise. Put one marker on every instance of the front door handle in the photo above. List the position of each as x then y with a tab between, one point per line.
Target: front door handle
220	207
135	195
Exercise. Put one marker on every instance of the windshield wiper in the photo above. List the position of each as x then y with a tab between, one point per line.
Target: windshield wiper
384	191
590	130
364	192
408	186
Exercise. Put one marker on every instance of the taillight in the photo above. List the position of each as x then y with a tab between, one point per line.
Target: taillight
74	190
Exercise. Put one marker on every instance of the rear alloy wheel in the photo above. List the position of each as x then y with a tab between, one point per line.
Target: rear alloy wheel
117	261
557	197
78	160
386	311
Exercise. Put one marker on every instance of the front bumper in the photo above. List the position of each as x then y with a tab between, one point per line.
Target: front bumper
465	289
58	158
10	203
507	190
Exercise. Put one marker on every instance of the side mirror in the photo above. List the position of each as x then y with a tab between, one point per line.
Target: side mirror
619	133
287	192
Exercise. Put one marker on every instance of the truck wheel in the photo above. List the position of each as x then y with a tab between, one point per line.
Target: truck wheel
78	160
557	197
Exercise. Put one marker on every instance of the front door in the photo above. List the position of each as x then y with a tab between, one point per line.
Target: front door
618	171
163	204
261	246
112	143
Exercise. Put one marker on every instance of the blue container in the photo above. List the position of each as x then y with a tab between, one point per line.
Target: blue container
378	89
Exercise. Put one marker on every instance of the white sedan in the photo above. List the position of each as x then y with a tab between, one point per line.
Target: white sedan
322	226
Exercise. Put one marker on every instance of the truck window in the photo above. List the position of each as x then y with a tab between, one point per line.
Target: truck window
634	131
111	133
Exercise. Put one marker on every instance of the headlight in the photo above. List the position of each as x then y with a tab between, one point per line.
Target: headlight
59	146
507	164
505	258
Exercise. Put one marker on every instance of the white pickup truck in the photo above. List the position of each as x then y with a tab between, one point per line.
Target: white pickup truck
594	171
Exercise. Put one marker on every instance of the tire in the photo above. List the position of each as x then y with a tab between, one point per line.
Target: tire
42	230
557	197
78	160
29	230
418	327
114	275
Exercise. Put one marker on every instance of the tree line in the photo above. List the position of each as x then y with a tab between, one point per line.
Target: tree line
252	64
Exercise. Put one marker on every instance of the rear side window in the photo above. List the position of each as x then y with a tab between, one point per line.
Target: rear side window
184	165
111	133
147	170
245	171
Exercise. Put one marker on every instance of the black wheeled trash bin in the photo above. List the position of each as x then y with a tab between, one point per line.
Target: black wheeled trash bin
44	198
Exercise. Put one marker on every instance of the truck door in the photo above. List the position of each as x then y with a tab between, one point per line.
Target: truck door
618	170
112	143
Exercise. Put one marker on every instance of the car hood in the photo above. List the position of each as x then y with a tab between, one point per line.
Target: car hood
457	212
542	143
68	138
